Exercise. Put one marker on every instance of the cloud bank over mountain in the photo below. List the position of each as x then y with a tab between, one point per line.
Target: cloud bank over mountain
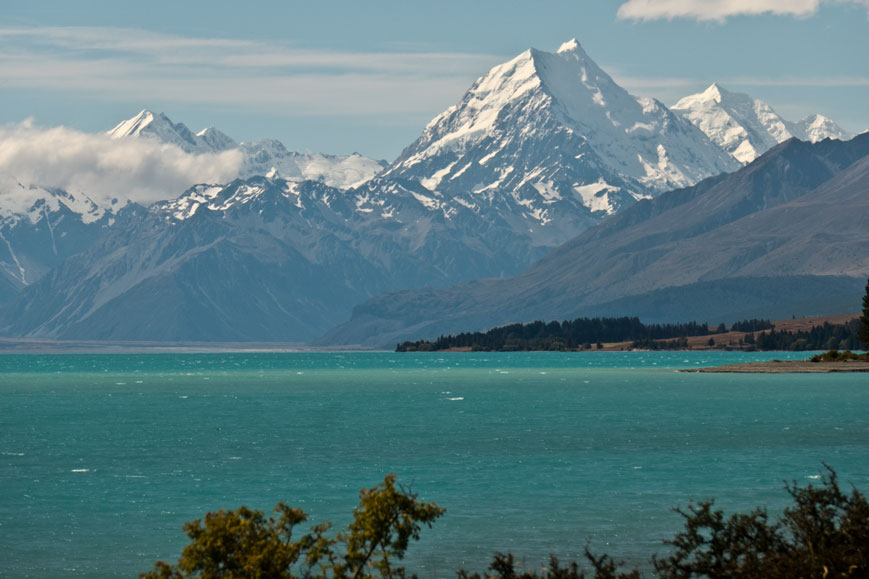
139	170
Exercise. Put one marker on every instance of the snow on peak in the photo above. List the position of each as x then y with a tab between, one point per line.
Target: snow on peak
568	76
535	130
714	93
31	203
134	126
816	128
148	125
746	127
741	125
478	111
571	45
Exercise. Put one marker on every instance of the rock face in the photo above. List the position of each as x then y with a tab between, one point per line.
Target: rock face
786	234
746	127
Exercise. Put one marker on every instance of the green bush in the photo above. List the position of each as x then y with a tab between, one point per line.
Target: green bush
244	543
836	356
824	534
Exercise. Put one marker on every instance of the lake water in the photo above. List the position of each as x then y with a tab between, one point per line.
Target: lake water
104	457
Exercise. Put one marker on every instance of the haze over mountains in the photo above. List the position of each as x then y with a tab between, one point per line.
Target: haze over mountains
538	150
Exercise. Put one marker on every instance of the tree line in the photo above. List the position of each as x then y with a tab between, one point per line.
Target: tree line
581	333
825	337
591	333
578	334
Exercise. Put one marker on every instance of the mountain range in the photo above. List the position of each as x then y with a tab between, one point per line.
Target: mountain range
785	235
537	151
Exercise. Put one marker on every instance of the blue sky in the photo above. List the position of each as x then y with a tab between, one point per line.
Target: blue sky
342	76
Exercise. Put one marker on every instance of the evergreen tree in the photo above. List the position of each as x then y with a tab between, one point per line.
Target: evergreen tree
863	334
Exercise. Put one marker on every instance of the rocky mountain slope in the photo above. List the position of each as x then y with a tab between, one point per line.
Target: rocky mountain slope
787	232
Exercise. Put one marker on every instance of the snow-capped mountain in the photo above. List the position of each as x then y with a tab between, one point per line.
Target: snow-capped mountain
550	130
149	125
39	228
816	128
261	258
746	127
260	157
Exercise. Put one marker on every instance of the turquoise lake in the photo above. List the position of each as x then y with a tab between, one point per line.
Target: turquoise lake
104	457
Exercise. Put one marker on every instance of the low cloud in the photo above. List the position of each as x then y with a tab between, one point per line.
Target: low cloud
720	10
136	169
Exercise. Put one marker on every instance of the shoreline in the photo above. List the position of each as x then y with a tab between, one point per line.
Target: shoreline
786	367
38	346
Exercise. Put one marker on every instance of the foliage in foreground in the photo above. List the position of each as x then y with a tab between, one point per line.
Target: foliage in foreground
824	534
244	543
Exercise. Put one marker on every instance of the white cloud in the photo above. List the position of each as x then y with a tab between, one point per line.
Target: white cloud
719	10
113	64
141	170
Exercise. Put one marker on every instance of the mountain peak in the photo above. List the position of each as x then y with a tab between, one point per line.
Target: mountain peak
747	127
135	125
817	127
159	127
553	127
714	90
571	45
716	93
